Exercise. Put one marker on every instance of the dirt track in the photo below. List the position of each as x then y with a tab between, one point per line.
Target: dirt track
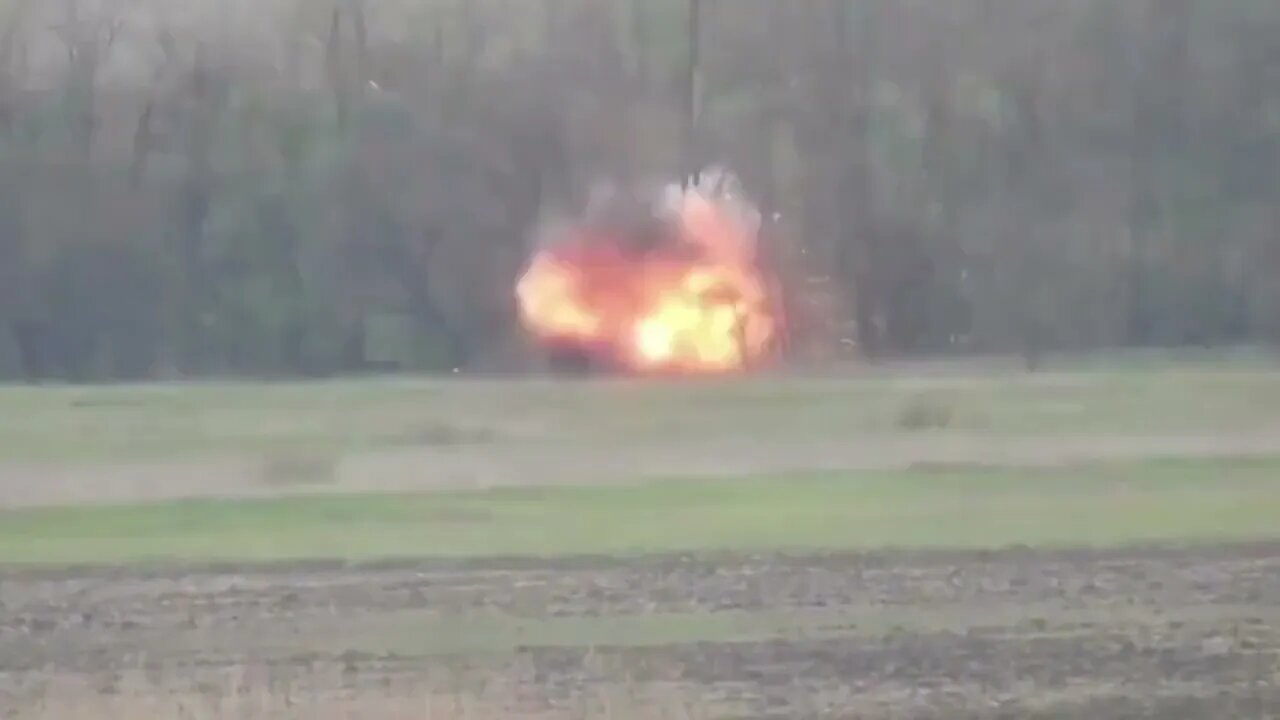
1143	633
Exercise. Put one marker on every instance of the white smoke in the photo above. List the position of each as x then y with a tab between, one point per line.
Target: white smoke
722	187
610	203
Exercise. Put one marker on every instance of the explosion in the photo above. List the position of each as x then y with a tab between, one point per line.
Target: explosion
671	285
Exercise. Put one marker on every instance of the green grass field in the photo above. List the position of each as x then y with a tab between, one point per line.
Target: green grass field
1182	501
89	425
372	469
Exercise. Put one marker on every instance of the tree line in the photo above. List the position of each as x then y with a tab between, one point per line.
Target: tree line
309	187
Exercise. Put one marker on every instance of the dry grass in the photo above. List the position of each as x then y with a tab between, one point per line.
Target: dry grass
265	706
300	467
246	695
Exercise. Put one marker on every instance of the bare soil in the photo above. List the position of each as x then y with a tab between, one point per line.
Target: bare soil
1152	632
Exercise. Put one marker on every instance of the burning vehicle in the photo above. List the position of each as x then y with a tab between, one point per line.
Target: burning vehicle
662	282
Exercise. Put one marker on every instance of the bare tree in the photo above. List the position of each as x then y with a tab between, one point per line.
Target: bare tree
87	40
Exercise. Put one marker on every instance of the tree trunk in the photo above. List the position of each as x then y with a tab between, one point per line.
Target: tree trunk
855	257
693	100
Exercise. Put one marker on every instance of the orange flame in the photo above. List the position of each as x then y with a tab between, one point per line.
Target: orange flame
700	306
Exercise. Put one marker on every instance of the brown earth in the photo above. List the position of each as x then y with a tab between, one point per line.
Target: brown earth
1155	632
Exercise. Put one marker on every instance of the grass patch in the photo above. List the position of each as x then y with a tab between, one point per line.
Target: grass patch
299	467
925	412
960	508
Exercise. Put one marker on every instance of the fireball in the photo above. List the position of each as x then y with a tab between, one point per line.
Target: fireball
693	302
